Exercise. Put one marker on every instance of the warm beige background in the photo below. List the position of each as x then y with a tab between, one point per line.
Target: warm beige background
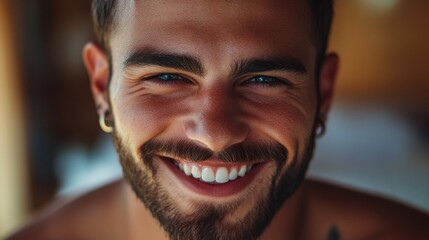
13	187
384	47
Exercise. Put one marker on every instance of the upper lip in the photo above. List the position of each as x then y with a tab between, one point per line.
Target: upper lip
210	161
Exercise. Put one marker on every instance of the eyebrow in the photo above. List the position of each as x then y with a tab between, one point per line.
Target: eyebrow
147	57
269	64
188	63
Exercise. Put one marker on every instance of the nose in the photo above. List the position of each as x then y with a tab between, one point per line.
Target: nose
217	122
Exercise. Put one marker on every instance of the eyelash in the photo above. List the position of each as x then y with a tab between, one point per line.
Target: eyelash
266	81
169	79
263	81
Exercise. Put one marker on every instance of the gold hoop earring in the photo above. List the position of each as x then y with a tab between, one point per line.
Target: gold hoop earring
102	121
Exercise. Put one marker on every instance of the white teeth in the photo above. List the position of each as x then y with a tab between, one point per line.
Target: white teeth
242	171
222	175
207	174
213	174
196	172
187	169
233	174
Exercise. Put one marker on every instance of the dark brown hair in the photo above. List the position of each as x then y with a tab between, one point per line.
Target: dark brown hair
104	11
103	14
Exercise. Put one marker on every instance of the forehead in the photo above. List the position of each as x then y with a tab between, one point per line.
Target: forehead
215	28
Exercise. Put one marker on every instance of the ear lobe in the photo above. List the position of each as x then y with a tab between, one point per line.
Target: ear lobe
97	66
328	75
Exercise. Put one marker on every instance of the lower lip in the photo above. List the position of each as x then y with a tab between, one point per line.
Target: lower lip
214	190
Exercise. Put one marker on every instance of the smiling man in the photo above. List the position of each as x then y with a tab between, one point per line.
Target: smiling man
214	107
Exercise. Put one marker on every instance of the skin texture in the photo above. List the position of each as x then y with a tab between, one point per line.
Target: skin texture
215	109
111	213
214	106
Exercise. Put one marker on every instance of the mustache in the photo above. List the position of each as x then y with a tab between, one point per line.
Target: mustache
237	153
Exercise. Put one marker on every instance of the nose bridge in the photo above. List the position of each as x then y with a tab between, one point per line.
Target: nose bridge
218	122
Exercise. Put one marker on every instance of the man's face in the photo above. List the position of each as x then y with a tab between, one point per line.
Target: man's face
214	106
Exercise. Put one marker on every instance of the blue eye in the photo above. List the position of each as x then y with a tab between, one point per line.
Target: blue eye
169	77
265	81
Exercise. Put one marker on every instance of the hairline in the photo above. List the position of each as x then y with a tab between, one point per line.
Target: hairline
320	36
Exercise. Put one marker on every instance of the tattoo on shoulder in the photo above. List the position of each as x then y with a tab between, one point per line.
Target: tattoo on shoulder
333	233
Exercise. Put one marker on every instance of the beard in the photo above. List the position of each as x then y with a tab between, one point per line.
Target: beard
208	221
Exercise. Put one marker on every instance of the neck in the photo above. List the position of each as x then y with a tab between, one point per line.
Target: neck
289	219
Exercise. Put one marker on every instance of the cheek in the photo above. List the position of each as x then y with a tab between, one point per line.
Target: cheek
288	120
141	117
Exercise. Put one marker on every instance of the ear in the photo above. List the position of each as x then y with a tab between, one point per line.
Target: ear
97	66
328	75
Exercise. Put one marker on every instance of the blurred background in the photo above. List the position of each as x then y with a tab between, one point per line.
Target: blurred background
51	147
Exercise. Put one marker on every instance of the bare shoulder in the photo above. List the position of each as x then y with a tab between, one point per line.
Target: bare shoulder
357	215
71	219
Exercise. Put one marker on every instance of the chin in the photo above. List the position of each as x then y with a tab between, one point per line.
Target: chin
188	208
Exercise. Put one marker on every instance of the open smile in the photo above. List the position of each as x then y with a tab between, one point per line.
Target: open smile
214	178
214	174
